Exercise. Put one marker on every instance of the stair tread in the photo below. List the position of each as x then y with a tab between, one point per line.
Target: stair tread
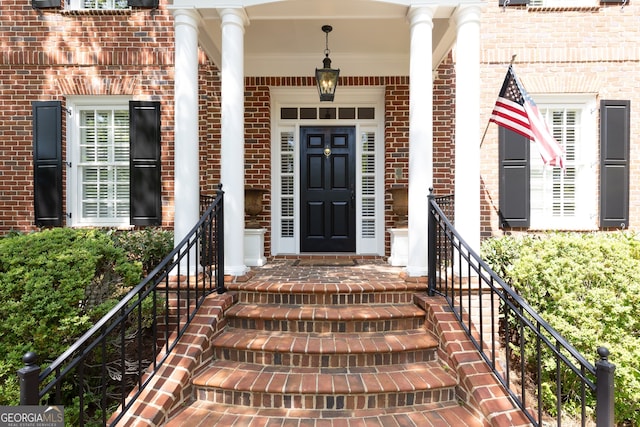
240	376
331	313
330	343
344	287
202	413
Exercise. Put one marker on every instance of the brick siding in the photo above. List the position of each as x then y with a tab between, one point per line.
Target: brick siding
593	50
49	55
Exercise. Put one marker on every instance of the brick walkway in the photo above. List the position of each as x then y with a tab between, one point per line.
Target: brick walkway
335	346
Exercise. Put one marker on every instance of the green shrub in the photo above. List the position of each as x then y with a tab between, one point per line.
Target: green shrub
148	246
587	287
54	285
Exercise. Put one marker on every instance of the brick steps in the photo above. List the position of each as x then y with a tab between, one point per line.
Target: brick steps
202	414
355	292
331	347
315	318
325	349
266	386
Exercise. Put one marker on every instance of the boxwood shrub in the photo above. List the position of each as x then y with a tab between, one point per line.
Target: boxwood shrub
56	283
587	286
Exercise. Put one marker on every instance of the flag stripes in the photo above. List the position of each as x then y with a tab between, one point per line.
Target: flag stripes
516	111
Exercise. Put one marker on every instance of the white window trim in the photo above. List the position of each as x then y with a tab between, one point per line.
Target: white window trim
74	104
78	5
587	191
308	97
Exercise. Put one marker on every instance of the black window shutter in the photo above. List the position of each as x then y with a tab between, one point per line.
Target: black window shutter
47	163
614	163
46	4
149	4
144	136
512	2
514	179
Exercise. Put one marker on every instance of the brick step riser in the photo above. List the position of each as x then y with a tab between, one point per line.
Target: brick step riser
326	299
320	326
324	360
323	402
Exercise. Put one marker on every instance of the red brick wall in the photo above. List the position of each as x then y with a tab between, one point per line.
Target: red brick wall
48	55
571	50
51	54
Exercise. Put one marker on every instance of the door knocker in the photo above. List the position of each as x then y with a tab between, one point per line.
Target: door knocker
327	151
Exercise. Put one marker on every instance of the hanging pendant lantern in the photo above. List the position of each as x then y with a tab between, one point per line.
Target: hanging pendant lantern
327	77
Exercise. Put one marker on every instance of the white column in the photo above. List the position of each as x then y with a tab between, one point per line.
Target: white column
467	149
232	134
420	135
186	159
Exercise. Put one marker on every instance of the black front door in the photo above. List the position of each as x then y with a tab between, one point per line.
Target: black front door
327	193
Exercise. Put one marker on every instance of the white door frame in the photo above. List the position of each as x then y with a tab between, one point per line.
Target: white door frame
370	231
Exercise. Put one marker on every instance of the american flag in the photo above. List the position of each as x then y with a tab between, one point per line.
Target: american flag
515	110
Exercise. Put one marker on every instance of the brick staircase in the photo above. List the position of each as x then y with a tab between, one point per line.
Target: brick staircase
326	346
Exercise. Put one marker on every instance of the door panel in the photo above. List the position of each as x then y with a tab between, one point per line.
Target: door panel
327	194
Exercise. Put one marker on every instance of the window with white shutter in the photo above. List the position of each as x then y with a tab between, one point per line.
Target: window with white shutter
98	4
287	185
566	199
103	167
98	162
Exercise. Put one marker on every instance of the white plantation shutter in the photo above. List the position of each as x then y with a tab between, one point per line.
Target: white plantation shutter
564	199
104	165
99	4
287	186
368	185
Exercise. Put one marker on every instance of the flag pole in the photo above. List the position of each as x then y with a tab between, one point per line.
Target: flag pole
513	58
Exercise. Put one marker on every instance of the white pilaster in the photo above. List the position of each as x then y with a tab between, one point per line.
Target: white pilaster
186	159
420	135
467	148
232	135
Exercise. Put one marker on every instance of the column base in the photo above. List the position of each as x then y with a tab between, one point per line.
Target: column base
399	247
254	247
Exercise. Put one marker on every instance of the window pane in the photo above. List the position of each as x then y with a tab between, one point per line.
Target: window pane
103	167
368	184
554	191
104	4
286	184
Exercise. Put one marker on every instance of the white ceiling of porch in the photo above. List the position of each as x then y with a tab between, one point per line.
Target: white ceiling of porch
284	37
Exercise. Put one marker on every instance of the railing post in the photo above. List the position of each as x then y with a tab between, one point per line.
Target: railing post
605	389
431	246
220	236
29	380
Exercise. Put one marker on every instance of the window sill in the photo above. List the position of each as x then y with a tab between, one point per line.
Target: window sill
557	228
563	8
95	12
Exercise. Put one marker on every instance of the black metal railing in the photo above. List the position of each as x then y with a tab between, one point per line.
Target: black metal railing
110	365
511	337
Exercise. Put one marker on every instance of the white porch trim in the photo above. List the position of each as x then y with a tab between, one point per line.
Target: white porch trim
420	135
232	138
187	177
467	149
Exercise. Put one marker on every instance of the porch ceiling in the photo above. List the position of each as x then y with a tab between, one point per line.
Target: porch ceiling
284	37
